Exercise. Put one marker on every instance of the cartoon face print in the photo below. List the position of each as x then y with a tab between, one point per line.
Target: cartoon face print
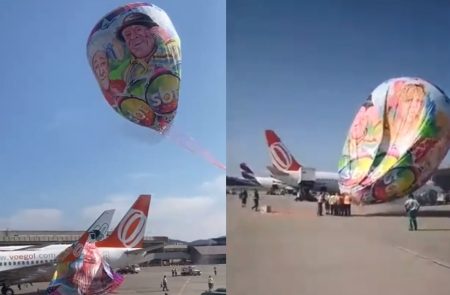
364	128
139	40
359	127
101	68
411	100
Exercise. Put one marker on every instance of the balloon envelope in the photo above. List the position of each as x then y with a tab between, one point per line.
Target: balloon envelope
134	52
397	140
88	273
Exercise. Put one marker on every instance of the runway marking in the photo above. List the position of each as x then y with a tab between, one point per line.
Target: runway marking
184	286
435	261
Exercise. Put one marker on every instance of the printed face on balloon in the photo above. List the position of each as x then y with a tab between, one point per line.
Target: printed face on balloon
139	40
101	69
411	99
359	127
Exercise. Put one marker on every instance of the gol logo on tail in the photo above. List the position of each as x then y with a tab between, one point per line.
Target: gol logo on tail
131	229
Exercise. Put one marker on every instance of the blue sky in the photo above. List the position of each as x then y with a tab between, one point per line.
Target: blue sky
303	68
65	153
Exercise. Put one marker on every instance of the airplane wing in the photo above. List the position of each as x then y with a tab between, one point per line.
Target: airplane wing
29	273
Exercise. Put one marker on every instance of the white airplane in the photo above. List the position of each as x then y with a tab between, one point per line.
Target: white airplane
122	248
27	266
286	168
265	182
125	245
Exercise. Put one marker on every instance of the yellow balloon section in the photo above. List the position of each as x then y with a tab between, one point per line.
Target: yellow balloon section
397	140
135	55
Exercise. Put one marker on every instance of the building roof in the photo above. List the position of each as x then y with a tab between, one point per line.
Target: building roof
175	247
211	250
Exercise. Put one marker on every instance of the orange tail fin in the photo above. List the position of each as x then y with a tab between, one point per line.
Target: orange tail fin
282	159
130	231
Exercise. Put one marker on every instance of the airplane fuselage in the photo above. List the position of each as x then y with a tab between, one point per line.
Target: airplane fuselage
329	180
268	182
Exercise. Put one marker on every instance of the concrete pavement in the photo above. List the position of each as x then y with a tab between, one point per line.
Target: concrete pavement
149	279
292	251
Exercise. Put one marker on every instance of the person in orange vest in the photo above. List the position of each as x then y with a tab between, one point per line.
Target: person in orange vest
347	204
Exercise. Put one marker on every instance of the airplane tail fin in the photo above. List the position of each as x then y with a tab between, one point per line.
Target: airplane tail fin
97	231
246	172
129	233
282	159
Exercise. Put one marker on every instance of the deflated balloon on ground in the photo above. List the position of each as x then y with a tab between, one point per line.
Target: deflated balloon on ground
397	140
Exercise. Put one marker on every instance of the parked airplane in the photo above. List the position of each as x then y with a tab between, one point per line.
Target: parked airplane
122	248
286	168
265	182
9	248
26	266
240	183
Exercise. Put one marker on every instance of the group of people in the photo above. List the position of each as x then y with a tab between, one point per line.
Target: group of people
165	287
335	204
341	204
244	195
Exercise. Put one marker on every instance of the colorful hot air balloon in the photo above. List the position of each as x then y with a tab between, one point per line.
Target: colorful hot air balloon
397	140
134	52
86	273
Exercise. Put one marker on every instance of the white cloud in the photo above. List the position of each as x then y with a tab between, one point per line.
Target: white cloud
179	217
34	219
141	175
188	218
120	202
216	186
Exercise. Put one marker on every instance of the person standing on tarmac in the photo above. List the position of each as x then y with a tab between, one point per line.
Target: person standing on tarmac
341	205
327	204
244	196
332	201
412	208
347	204
210	283
320	202
256	200
164	284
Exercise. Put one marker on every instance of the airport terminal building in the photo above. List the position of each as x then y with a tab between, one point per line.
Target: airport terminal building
163	252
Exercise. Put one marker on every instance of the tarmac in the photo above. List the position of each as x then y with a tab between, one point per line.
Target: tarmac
293	251
148	281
